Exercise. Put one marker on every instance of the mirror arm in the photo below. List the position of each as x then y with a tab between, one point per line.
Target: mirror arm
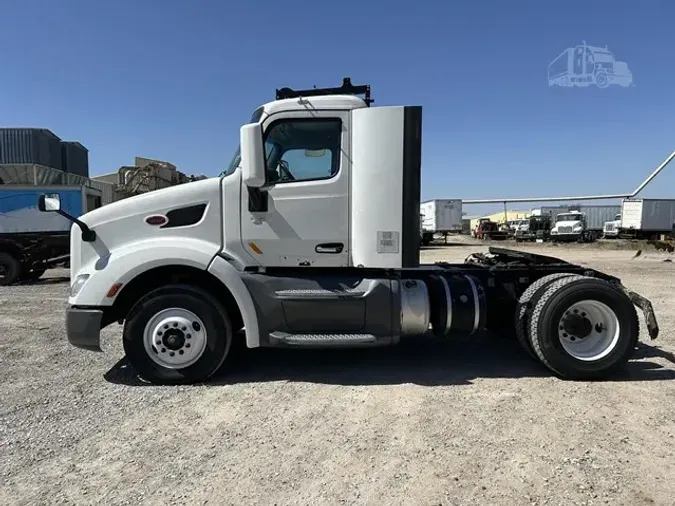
88	235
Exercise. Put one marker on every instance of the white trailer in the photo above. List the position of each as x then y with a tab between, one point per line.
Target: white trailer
440	216
311	238
647	218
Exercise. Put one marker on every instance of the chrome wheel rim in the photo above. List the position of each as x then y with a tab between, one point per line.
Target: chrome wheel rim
175	338
589	330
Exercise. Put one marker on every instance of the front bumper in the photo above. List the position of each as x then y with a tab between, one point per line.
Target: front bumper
83	327
565	237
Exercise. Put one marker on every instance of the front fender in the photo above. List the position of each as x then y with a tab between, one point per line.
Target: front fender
231	278
124	264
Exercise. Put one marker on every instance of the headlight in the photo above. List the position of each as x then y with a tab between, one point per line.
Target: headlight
78	284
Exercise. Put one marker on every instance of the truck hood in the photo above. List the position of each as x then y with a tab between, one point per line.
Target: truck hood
567	224
121	226
154	202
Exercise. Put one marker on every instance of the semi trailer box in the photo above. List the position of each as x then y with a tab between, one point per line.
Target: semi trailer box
596	215
442	215
19	213
648	215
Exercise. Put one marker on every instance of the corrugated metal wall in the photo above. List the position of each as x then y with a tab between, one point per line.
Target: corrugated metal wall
75	158
30	145
25	174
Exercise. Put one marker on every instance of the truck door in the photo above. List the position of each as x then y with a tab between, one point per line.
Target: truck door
306	222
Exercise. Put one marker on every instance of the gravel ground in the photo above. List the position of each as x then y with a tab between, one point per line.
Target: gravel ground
472	422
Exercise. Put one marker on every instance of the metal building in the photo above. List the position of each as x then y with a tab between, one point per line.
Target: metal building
30	145
75	158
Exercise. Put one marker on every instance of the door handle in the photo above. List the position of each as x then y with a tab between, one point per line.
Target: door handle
329	247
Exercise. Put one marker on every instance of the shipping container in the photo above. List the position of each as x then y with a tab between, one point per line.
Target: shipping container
648	215
30	145
19	213
442	215
596	215
75	158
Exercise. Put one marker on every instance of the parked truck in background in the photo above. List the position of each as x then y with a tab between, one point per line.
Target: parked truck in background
611	228
30	242
537	228
581	223
647	218
440	216
310	238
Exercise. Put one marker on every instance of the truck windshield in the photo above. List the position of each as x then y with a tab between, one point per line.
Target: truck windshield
568	217
234	163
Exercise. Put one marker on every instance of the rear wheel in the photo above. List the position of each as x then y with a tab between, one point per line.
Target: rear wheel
177	334
583	328
10	269
524	309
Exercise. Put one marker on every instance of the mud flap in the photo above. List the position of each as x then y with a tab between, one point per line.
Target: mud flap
647	310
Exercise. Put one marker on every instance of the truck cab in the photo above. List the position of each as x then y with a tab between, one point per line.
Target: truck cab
569	227
612	228
311	238
538	228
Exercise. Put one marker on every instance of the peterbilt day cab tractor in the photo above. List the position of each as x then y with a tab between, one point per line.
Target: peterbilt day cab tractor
311	238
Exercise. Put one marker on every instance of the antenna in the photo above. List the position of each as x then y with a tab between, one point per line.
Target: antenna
347	88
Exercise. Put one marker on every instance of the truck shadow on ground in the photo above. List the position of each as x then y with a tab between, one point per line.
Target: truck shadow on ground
430	363
442	245
47	281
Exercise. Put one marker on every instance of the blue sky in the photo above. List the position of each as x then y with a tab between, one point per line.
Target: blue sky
174	80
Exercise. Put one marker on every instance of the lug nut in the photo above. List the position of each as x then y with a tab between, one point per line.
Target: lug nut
187	345
172	354
163	350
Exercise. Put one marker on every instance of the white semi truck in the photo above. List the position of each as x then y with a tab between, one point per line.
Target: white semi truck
311	238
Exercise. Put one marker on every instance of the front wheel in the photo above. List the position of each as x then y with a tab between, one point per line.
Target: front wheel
583	328
10	269
177	334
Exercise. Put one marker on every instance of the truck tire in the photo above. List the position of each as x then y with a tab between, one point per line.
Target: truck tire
177	334
10	269
524	309
583	328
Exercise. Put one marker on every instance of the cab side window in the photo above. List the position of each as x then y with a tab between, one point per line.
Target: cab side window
303	149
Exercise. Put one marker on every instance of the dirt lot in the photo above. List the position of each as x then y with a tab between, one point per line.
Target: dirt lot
471	422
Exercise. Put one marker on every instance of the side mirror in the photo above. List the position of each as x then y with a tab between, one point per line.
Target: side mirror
49	203
252	155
